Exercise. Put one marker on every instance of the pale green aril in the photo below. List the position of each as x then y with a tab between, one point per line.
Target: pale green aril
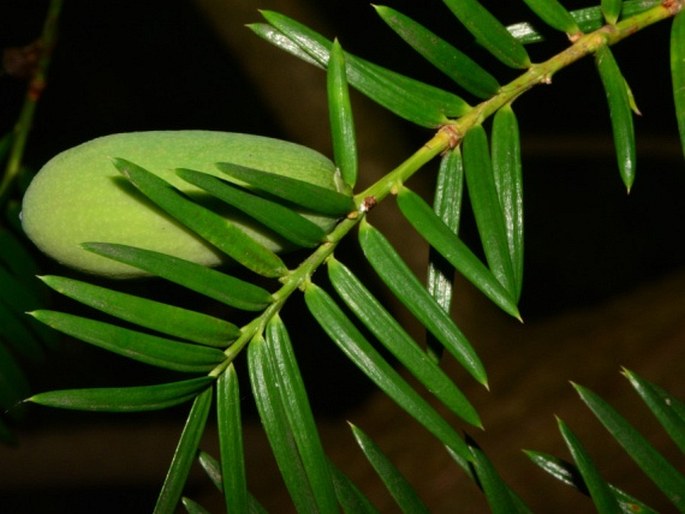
79	196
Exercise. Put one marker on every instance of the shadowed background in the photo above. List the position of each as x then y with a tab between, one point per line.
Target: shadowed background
604	271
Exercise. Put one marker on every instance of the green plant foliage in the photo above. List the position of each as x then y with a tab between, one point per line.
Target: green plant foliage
619	99
407	499
315	209
678	72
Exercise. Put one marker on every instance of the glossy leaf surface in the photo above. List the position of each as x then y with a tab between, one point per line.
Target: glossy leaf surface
147	348
651	462
209	282
389	332
340	116
456	65
487	209
440	237
398	486
415	101
507	171
403	283
277	426
599	489
355	346
554	14
618	98
184	456
277	217
167	319
496	492
489	32
226	236
611	9
310	196
124	399
229	424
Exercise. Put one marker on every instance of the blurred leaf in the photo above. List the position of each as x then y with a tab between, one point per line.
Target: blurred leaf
453	63
340	114
588	19
388	331
232	480
355	346
401	490
351	499
447	201
299	413
15	295
221	233
5	145
678	72
599	489
16	258
569	474
277	427
611	9
6	434
618	98
506	165
147	348
485	203
15	334
282	220
668	410
415	101
124	399
500	498
440	237
554	14
406	287
211	283
489	32
650	461
184	455
167	319
192	507
310	196
13	383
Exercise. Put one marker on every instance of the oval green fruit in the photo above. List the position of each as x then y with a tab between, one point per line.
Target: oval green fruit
79	196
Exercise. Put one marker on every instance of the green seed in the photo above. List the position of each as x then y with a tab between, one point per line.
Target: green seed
79	196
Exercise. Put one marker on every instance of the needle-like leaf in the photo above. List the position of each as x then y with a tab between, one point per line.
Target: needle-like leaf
389	332
147	348
440	237
403	283
487	209
187	447
668	410
611	9
355	346
209	282
299	413
340	115
272	412
401	490
124	399
554	14
653	464
453	63
618	98
489	32
415	101
167	319
221	233
599	489
569	474
678	72
506	165
351	499
307	195
192	507
283	220
229	423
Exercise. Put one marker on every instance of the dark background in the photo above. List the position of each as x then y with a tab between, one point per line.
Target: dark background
121	66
